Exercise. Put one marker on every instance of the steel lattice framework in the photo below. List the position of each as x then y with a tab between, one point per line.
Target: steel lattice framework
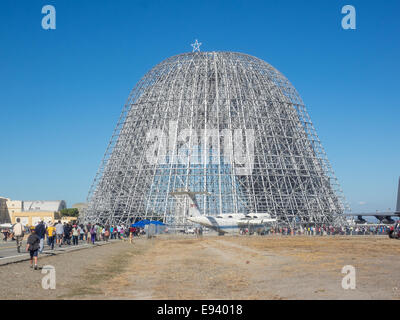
210	93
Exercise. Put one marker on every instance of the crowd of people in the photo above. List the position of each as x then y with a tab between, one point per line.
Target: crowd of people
325	230
66	233
71	234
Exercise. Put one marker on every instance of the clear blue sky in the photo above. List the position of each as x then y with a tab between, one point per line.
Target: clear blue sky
61	91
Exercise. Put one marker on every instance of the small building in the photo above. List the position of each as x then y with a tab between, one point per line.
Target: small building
30	212
32	218
36	205
14	206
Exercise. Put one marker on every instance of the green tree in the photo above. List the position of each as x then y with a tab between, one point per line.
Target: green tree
69	212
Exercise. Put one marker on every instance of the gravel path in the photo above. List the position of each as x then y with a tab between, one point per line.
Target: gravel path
19	281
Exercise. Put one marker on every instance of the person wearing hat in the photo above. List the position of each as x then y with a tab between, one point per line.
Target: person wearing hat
33	245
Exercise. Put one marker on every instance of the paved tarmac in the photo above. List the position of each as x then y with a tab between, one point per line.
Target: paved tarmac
9	253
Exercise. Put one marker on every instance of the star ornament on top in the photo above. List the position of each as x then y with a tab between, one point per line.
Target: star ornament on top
196	46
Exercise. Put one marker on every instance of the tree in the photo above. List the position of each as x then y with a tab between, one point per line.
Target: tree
69	212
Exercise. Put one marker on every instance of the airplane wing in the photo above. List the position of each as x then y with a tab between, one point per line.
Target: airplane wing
383	217
380	214
373	214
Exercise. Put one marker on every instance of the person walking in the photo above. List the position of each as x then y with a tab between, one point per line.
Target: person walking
33	245
75	234
5	233
18	231
131	232
127	233
67	233
81	232
97	232
119	232
87	233
59	233
114	232
40	231
93	234
106	234
122	233
102	231
51	232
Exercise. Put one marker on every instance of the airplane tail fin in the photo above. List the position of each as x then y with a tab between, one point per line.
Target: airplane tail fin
398	198
194	210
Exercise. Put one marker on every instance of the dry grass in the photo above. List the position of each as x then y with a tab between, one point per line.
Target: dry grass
242	268
95	279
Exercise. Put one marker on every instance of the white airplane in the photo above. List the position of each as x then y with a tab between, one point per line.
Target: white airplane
224	223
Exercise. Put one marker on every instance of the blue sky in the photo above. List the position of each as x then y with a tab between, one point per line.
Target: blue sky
61	91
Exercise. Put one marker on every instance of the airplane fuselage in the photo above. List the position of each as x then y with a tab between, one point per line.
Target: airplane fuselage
224	223
232	223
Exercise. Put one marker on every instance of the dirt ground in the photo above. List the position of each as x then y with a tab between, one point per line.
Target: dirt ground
169	267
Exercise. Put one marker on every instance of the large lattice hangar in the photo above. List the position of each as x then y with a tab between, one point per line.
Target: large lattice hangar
226	126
